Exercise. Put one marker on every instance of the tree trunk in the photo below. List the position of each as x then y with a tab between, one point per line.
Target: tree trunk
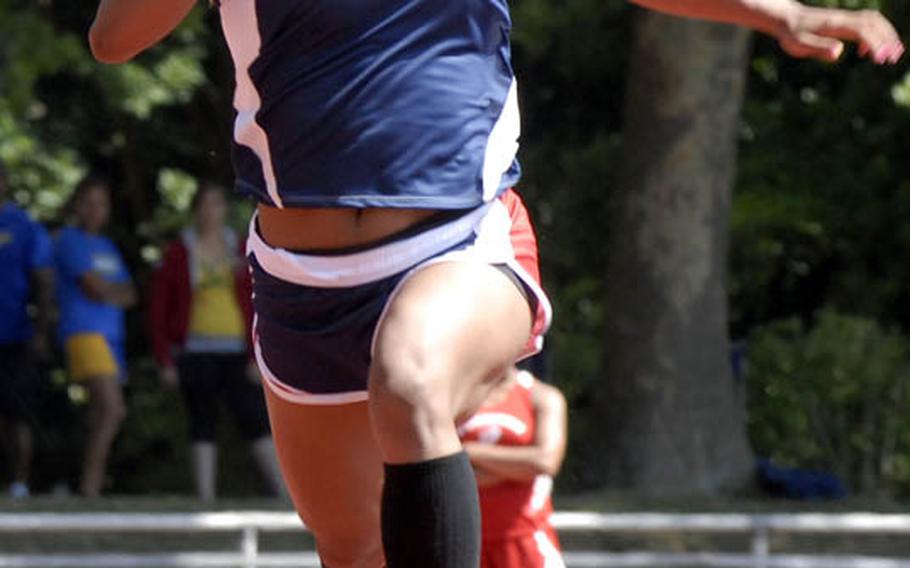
675	420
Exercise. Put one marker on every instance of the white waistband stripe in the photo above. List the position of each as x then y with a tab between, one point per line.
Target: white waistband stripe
342	271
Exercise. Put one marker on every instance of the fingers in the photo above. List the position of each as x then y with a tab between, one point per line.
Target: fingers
870	30
814	46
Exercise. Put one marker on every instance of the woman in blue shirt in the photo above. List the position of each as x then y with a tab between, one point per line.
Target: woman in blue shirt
93	290
393	267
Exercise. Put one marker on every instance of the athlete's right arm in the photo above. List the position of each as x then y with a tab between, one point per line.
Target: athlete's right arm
803	31
124	28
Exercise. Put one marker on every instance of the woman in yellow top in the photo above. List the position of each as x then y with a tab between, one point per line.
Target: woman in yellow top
200	320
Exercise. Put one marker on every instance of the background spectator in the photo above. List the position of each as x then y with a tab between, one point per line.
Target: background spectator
517	443
26	259
94	288
200	316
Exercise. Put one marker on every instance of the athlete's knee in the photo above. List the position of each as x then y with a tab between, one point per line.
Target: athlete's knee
410	391
406	376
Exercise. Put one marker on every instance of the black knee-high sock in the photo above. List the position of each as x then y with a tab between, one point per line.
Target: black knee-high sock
431	514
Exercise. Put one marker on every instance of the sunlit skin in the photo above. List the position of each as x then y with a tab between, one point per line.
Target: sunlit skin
454	328
802	31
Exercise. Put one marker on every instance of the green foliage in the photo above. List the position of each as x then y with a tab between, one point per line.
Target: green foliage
32	48
175	191
62	113
822	198
41	174
833	396
141	89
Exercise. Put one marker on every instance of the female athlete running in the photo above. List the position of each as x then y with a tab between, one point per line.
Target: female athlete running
379	138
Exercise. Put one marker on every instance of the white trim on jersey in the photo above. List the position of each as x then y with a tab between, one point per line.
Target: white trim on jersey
525	379
541	493
241	29
552	558
497	419
502	145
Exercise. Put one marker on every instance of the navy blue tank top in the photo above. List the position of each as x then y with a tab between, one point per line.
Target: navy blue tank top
373	103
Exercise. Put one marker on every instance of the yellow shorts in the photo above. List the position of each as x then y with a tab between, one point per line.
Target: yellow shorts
90	355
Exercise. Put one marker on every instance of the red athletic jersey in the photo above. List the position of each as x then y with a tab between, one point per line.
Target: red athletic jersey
515	516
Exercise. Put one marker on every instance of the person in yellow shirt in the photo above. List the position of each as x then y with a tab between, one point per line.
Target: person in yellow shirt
200	316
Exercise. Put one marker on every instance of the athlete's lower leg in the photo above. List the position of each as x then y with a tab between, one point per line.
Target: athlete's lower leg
442	339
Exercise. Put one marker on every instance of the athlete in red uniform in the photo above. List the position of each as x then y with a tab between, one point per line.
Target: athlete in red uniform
517	442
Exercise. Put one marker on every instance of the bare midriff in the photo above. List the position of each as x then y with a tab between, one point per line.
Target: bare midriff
333	228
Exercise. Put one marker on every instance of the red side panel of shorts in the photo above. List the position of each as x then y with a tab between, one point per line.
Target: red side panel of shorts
524	241
524	244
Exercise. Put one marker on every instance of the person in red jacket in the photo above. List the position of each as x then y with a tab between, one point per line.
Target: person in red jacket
200	316
517	442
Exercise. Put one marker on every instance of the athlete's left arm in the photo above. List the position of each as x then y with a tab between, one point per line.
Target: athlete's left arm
545	456
124	28
802	31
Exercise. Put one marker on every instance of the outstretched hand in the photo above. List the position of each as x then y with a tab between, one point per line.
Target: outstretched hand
821	33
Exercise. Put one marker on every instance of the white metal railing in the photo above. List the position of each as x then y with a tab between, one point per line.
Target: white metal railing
250	524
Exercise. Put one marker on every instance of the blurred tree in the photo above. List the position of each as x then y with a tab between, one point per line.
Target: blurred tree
675	422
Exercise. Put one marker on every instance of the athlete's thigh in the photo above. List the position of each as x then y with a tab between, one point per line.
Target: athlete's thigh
333	471
463	323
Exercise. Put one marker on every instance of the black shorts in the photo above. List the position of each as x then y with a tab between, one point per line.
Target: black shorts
19	385
206	377
317	314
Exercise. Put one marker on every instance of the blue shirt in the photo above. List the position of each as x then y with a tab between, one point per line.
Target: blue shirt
373	103
78	253
24	248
